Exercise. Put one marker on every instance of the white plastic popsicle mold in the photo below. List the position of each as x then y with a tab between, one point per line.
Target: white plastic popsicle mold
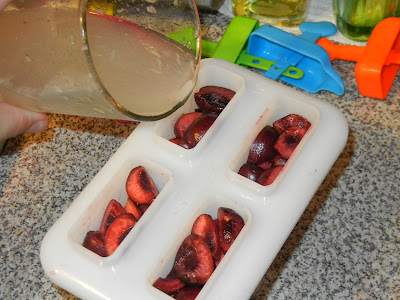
196	181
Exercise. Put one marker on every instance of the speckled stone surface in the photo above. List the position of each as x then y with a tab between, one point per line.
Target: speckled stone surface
345	246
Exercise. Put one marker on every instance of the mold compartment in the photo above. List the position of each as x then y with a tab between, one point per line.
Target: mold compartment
114	189
210	206
209	75
282	107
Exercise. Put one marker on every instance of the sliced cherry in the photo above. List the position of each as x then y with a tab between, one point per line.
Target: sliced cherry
230	223
132	208
193	262
250	171
94	242
114	209
265	165
169	284
213	98
288	141
278	160
188	293
140	187
198	128
269	176
205	227
117	232
143	207
183	123
262	148
180	142
291	120
217	262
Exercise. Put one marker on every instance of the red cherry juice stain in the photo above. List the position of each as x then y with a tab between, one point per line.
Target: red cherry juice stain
261	116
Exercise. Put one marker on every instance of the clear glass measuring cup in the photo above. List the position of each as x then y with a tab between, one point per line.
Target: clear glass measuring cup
132	60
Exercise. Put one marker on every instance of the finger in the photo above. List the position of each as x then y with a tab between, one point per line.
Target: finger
15	120
4	3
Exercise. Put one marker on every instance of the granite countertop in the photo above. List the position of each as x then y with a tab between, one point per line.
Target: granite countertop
345	246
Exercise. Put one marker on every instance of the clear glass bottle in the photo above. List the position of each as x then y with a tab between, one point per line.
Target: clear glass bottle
356	19
274	12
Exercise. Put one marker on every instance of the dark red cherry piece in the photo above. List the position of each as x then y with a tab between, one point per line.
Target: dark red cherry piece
205	227
140	186
291	120
230	223
117	232
288	141
269	176
193	262
250	171
213	98
132	208
262	148
170	284
114	209
183	123
180	142
188	293
278	160
143	207
198	128
94	242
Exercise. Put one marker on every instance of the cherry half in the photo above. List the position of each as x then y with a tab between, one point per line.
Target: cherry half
205	227
262	148
94	242
183	123
230	223
140	186
169	284
198	128
188	293
288	141
114	209
132	208
117	232
269	176
291	120
193	262
213	98
250	171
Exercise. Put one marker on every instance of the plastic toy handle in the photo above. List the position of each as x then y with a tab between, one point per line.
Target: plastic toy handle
343	52
246	60
393	58
263	64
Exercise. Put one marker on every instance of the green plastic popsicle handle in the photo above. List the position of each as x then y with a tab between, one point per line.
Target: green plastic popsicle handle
246	60
233	47
265	64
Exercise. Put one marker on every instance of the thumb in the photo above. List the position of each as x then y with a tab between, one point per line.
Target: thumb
15	120
4	3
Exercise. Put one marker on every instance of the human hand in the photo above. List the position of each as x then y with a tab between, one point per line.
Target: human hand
4	3
15	120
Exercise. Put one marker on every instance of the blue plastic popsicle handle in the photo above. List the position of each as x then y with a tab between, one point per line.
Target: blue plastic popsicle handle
311	32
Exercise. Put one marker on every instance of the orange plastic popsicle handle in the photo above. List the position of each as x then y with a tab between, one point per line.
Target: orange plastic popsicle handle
343	52
393	58
377	63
